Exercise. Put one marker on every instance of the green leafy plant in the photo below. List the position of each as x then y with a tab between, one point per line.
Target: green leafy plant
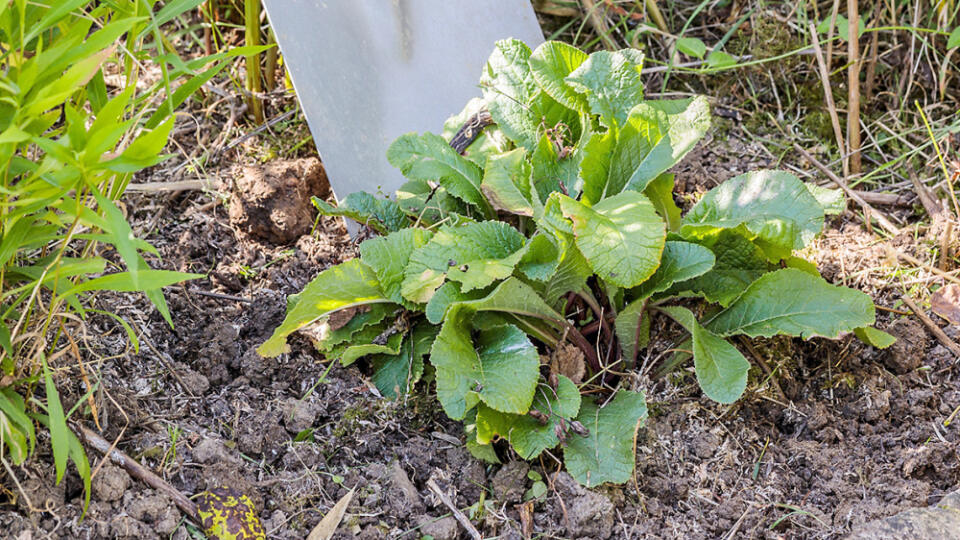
69	147
525	271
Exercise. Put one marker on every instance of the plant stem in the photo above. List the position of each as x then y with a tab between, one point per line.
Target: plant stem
251	16
853	80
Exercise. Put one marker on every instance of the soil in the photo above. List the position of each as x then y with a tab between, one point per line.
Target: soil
840	434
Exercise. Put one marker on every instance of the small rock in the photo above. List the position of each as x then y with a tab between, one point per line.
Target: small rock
212	451
298	415
124	526
194	382
400	483
590	514
440	529
110	483
510	481
906	354
940	521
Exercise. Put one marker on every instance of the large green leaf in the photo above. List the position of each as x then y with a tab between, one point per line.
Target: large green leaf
680	261
516	298
527	435
653	138
509	88
395	375
506	183
381	215
502	370
571	274
475	255
622	236
671	129
795	303
551	63
388	256
721	369
774	206
607	453
354	352
429	157
541	259
739	262
447	295
611	82
345	285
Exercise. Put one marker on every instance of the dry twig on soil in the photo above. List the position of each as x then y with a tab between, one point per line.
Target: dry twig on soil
868	210
474	533
140	472
932	326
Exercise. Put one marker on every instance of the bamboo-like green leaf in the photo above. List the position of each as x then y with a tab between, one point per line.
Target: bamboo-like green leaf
59	433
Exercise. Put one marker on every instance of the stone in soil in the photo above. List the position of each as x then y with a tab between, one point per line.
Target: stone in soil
510	482
940	521
440	529
589	514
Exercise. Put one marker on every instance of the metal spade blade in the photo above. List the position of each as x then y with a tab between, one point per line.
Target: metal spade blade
367	71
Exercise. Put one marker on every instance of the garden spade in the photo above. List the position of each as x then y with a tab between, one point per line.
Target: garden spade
367	71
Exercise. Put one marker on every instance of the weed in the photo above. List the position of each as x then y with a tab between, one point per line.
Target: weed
69	148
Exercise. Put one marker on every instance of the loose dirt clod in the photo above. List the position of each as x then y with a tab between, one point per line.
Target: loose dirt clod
510	481
272	202
110	484
439	529
906	354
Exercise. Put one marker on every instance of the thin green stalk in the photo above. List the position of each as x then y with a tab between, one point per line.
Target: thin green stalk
251	15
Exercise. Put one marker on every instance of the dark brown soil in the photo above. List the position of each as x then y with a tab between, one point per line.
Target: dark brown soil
856	434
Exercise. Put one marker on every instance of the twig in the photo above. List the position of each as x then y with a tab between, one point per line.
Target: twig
474	533
158	187
260	128
599	23
872	63
868	210
894	253
932	326
220	296
656	15
141	473
853	85
833	23
945	242
766	369
828	94
927	199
